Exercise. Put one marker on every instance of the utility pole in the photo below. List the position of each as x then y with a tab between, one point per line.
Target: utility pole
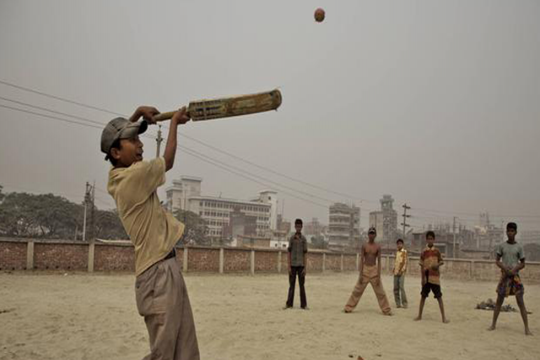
404	223
454	239
159	139
86	201
93	213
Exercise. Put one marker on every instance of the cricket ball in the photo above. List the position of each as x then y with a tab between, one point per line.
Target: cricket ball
319	15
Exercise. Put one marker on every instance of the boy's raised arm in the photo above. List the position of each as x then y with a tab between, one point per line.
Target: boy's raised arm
147	112
179	118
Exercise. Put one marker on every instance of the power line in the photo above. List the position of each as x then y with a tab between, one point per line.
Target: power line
49	116
100	127
274	171
189	152
59	98
71	197
52	111
186	136
259	177
195	140
184	149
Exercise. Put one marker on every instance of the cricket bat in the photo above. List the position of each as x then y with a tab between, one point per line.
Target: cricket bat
229	107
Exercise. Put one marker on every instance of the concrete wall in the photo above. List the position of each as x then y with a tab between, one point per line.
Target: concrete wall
34	254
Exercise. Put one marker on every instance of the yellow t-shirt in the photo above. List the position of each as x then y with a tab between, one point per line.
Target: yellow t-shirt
152	230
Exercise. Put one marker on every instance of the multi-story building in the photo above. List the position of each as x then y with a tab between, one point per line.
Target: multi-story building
487	234
257	217
385	220
529	237
314	227
343	226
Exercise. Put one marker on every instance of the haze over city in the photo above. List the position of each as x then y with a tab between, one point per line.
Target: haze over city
435	104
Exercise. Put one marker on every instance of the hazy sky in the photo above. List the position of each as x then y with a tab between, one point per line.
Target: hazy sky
434	102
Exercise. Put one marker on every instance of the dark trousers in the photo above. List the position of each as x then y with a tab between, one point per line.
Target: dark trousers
297	270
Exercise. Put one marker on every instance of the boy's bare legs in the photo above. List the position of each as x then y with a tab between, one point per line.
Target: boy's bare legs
496	312
441	306
421	309
523	310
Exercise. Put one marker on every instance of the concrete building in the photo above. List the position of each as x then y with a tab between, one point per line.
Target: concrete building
256	217
529	237
343	227
181	191
487	234
385	220
314	227
283	226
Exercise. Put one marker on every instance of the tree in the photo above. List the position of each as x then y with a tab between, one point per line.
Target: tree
318	242
195	227
23	214
109	226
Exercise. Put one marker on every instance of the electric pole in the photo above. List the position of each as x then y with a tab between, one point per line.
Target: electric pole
86	201
454	239
159	139
93	226
404	223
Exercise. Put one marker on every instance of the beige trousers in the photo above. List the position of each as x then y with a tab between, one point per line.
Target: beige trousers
369	277
163	300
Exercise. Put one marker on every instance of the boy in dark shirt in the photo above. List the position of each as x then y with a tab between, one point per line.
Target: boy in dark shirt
297	265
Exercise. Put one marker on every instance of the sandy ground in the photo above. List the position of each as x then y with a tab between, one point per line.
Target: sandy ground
93	317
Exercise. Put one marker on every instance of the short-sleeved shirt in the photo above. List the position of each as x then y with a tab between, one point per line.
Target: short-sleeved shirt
511	254
297	247
401	262
431	256
153	231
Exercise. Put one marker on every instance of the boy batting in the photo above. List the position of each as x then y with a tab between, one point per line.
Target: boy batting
160	291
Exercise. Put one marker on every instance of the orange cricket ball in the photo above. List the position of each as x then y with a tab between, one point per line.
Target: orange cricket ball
319	15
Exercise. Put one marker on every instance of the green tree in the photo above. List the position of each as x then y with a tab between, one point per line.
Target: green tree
23	214
195	227
109	226
318	242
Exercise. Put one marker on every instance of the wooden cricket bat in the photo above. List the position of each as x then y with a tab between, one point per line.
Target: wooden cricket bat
228	107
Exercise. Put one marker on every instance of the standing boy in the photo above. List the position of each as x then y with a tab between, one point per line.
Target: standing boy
297	265
513	260
160	291
370	273
400	268
430	262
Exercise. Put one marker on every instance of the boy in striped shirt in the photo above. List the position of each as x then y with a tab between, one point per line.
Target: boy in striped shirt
430	262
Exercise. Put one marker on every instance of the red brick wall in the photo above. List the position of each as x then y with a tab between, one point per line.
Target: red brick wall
180	256
236	260
333	262
284	262
12	256
203	259
114	258
265	261
314	262
60	256
349	262
66	256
